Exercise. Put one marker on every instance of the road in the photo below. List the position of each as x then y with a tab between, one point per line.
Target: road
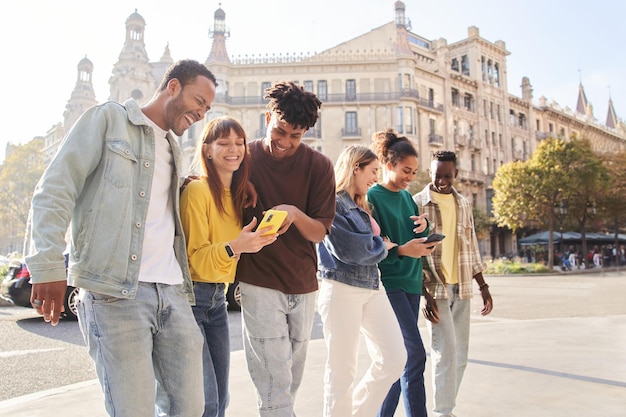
35	356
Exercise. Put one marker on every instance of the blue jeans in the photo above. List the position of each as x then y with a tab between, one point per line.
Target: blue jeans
276	333
411	383
212	318
147	351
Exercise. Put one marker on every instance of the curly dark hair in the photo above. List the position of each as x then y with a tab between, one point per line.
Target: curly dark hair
293	104
186	71
390	147
444	156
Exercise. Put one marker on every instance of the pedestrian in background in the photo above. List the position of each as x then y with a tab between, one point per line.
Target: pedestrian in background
449	272
279	283
212	215
352	300
401	271
114	179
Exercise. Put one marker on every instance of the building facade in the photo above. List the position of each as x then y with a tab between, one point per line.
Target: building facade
441	96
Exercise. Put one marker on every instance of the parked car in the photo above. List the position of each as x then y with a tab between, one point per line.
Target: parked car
16	289
233	296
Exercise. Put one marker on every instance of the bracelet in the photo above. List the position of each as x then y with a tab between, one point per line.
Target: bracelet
483	286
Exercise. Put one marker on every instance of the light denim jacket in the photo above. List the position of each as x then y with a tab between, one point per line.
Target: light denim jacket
350	252
100	180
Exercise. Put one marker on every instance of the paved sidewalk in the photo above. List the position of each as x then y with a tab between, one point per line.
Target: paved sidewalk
554	347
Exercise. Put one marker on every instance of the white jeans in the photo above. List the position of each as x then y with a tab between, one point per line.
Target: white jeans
449	350
347	311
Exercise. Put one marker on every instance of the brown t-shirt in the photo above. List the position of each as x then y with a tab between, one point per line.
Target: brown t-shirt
305	180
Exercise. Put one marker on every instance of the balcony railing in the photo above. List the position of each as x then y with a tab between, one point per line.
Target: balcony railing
358	98
435	139
313	133
351	133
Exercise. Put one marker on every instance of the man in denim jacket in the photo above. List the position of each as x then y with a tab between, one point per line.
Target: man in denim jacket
115	181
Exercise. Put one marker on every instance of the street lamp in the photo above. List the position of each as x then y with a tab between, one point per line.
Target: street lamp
560	211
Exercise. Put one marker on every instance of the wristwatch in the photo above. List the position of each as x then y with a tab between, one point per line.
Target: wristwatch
229	250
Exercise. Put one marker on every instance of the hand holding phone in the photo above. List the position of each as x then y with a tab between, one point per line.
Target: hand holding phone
273	219
435	237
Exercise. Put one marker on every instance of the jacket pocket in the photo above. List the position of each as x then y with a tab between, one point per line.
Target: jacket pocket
120	163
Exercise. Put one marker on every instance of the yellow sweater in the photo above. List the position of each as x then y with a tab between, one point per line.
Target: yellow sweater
207	232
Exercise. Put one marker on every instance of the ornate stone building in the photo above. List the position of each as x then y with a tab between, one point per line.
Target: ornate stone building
442	96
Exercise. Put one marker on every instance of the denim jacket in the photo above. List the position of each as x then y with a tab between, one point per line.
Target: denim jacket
350	252
100	182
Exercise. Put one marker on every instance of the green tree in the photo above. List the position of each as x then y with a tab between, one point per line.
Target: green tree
588	181
19	173
612	202
529	191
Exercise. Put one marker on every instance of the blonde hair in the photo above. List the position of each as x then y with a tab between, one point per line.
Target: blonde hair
351	158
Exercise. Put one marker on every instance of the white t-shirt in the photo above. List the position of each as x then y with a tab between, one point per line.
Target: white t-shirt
158	261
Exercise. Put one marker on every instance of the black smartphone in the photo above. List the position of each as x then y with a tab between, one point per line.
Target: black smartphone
435	237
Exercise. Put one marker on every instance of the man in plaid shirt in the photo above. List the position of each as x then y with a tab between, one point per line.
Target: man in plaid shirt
448	274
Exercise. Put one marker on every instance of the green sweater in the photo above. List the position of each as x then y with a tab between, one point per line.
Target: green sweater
392	211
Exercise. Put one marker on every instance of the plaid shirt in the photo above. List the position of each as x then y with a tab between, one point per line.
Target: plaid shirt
470	262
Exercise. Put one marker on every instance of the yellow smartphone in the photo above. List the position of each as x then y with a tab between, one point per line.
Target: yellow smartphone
273	218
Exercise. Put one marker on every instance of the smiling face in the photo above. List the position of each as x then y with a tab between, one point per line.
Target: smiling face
282	139
442	176
399	177
364	177
188	104
226	154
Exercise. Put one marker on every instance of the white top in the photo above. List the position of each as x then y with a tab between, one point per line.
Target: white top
158	261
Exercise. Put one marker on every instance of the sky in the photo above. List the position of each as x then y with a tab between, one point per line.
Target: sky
557	44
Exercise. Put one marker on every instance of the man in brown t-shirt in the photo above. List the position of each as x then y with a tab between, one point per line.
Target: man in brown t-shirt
278	284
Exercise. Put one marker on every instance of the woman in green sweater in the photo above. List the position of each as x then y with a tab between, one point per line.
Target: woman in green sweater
401	272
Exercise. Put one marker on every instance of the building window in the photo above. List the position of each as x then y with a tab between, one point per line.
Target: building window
474	199
493	139
485	108
454	65
350	90
500	141
473	162
538	124
352	126
551	127
522	120
322	90
499	113
497	74
468	102
431	97
455	98
483	68
308	86
512	117
264	86
400	124
465	70
262	126
405	81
